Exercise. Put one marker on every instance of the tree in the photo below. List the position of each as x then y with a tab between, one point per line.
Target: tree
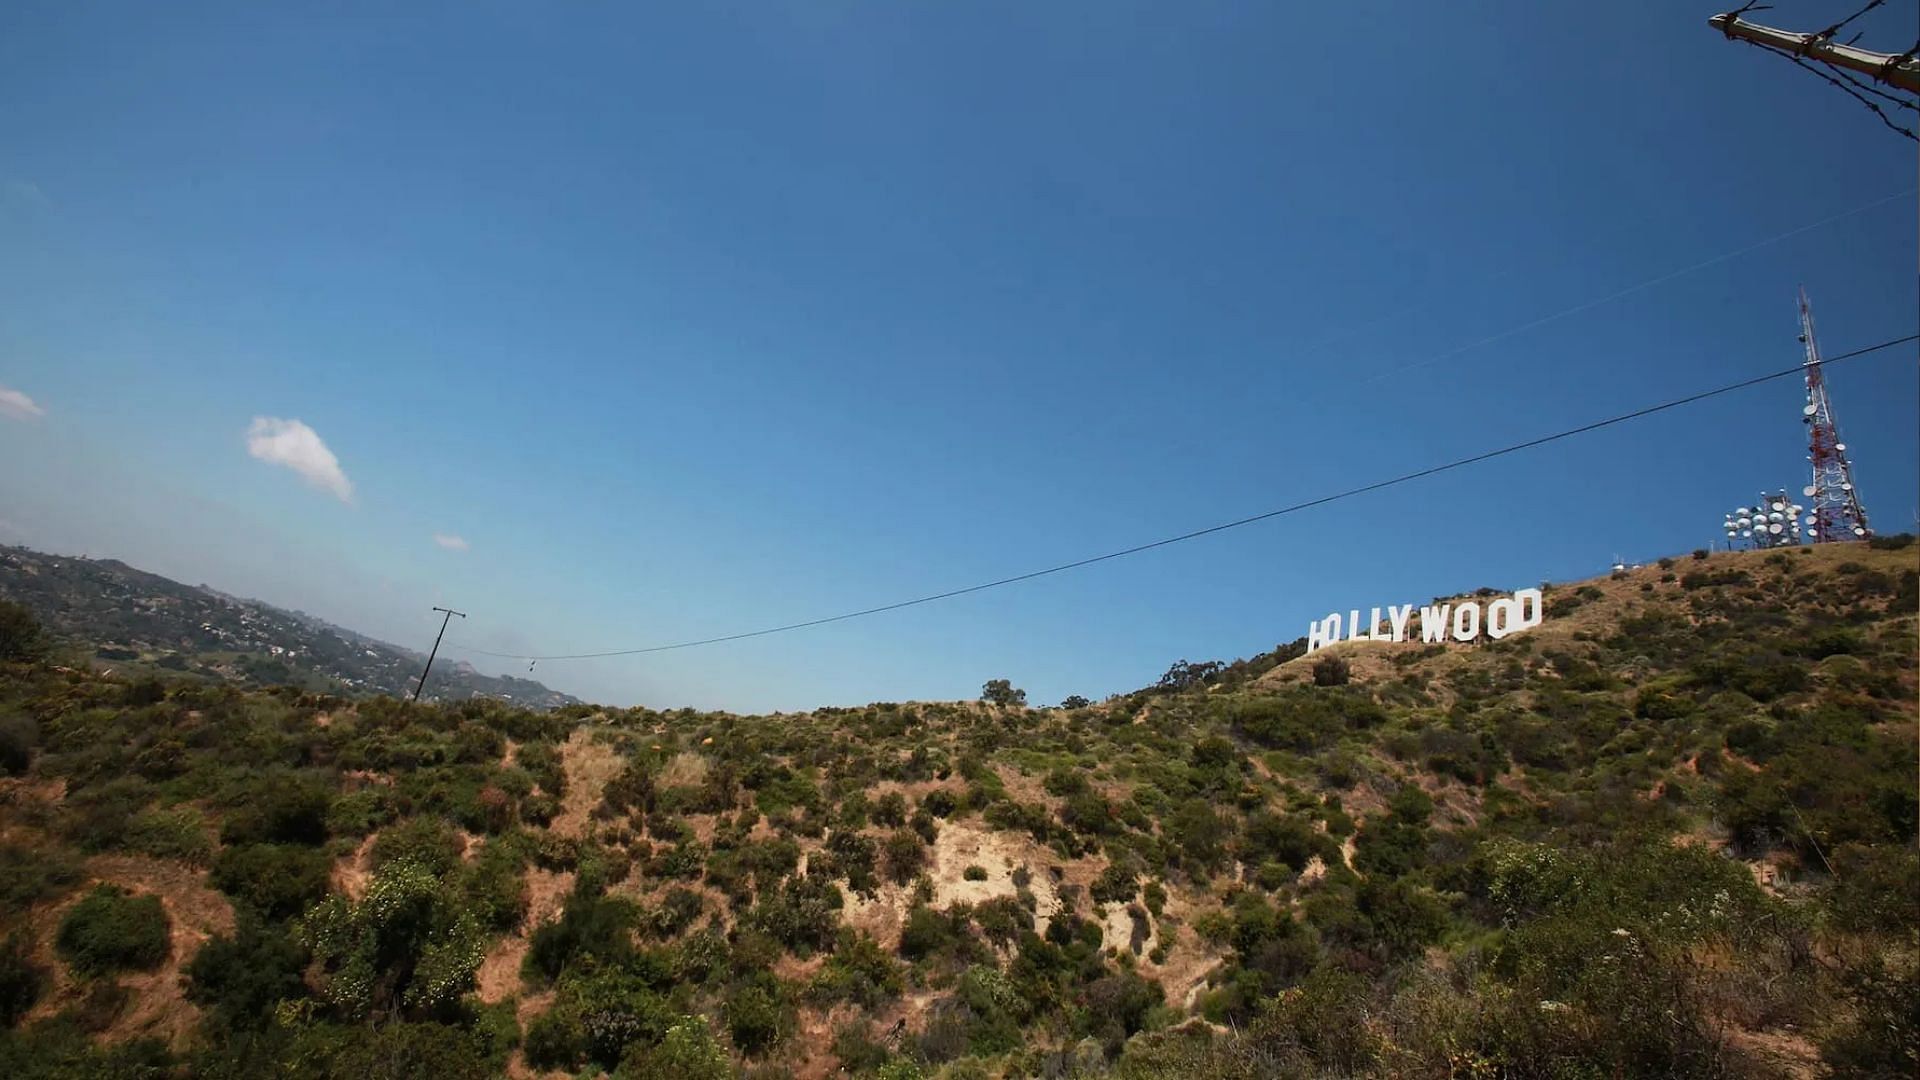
20	634
1185	676
1075	701
1331	671
1001	692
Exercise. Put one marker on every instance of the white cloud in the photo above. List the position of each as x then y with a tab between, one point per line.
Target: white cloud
450	541
24	193
298	447
18	405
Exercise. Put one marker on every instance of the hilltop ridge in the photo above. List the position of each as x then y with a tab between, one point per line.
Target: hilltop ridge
1667	832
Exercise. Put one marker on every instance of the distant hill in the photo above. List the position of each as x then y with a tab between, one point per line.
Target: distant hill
1668	832
137	620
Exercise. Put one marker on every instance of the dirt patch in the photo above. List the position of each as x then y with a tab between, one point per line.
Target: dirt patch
529	1007
960	845
352	873
684	769
790	968
499	974
1781	1053
546	894
589	764
1188	960
156	1005
1315	869
27	806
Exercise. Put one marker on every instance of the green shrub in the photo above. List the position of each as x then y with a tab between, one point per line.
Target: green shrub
22	981
428	841
242	977
277	880
21	638
112	930
280	810
755	1018
555	1041
1332	671
18	737
688	1052
180	833
28	876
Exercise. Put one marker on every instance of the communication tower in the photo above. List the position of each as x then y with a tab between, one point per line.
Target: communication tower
1772	522
1834	511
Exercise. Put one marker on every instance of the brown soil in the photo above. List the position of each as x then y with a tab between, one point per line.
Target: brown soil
589	764
352	873
157	1006
499	974
546	894
1189	960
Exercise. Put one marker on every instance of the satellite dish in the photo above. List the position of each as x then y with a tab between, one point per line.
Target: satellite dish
1776	516
1809	410
1774	528
1858	531
1746	532
1779	504
1744	522
1846	487
1839	446
1807	491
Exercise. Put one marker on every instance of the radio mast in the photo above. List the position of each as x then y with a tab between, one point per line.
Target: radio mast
1833	502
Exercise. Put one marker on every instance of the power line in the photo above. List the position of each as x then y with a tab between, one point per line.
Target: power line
1630	290
1850	92
1377	485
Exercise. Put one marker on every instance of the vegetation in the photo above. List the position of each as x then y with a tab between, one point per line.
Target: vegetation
111	930
1668	833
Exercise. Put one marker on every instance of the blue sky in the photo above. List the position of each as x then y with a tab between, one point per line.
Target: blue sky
698	320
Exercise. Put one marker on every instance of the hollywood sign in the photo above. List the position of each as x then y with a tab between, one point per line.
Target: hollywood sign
1463	621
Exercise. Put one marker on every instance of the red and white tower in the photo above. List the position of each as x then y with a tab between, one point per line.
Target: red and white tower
1833	503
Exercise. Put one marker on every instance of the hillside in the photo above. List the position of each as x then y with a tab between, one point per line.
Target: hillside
143	623
1669	832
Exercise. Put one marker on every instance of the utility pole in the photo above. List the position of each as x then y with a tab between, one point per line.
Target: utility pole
1901	70
447	618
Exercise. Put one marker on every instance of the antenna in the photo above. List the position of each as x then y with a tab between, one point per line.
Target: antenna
1835	504
1772	522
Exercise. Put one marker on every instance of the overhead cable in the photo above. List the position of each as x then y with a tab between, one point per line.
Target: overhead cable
1195	534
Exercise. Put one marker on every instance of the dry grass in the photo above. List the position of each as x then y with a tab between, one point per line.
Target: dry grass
589	764
156	1005
352	873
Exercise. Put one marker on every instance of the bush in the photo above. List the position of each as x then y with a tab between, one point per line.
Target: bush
18	736
905	854
555	1041
1331	671
754	1019
974	873
22	981
20	635
280	810
112	930
689	1052
243	976
28	876
277	880
427	841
